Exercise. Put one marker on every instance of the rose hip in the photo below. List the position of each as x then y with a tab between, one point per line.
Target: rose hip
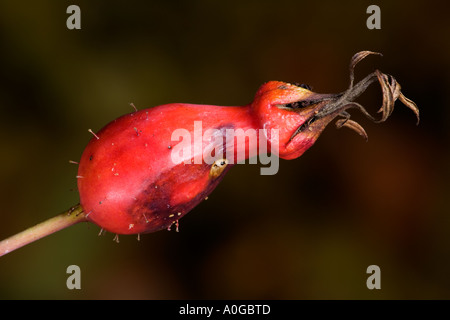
129	182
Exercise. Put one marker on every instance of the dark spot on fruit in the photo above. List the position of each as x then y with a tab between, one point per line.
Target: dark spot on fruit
91	157
153	207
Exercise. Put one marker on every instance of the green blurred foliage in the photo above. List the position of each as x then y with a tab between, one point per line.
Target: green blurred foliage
308	232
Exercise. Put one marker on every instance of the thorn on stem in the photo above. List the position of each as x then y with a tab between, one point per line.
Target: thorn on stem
72	209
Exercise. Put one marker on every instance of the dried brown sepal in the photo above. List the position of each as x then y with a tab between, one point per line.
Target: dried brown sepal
357	57
397	94
391	92
388	99
395	88
345	100
355	126
411	105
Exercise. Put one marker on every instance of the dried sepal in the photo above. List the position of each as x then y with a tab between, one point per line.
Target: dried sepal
388	99
338	104
357	57
395	88
411	105
355	126
391	92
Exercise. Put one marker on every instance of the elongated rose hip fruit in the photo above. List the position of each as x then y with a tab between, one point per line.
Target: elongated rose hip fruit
131	184
145	170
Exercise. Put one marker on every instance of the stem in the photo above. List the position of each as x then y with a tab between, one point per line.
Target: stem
66	219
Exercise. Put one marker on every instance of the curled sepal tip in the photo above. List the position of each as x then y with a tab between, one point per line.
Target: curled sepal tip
353	125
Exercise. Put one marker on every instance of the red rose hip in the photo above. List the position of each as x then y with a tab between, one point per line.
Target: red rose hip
132	177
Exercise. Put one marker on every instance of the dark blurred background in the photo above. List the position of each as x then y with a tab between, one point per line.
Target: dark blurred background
308	232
